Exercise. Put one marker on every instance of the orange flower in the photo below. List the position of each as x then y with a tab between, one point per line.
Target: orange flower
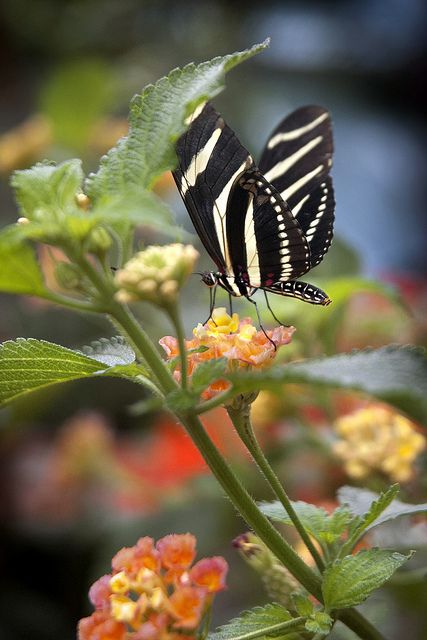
132	559
177	551
224	336
99	626
187	606
139	601
210	573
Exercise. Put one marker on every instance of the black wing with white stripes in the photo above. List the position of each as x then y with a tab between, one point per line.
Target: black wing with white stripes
265	241
296	161
211	158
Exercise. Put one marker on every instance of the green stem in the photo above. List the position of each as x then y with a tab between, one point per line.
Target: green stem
272	629
247	507
232	486
175	317
217	401
242	423
71	303
124	318
357	623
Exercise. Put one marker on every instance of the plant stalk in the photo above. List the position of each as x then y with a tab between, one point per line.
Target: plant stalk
241	420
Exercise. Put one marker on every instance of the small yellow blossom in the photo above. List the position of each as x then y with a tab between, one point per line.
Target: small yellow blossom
376	438
156	274
225	336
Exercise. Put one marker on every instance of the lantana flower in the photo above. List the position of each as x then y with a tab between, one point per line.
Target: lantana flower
156	274
225	336
377	438
154	592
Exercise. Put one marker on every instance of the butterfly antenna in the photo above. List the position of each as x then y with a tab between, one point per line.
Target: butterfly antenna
272	312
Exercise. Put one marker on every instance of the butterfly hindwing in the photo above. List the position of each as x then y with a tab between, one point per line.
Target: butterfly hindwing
297	160
266	242
210	160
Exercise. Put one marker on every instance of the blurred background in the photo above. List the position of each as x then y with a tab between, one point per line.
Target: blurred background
86	468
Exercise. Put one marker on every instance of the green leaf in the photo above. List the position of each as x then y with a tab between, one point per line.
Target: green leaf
156	121
110	351
206	373
361	524
139	208
397	375
349	581
48	190
361	503
326	528
302	604
259	622
20	271
29	364
26	365
320	622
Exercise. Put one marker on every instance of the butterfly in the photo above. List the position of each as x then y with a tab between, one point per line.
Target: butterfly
263	225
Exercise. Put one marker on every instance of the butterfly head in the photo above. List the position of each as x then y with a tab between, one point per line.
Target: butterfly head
209	278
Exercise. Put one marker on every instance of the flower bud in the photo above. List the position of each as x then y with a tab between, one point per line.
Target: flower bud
67	275
279	583
99	241
156	274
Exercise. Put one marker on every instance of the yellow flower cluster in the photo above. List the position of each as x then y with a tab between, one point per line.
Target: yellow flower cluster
156	274
376	438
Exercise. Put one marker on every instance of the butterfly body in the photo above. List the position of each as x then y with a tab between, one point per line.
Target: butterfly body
263	226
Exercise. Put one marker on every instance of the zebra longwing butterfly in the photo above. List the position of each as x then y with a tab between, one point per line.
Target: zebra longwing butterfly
264	226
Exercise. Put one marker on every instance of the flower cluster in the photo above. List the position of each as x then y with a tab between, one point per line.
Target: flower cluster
225	336
378	438
156	274
154	592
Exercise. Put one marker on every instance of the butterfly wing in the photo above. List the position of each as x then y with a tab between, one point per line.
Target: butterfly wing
297	160
266	242
210	159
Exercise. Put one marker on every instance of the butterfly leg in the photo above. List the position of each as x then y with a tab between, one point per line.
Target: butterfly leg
212	298
260	323
231	303
272	312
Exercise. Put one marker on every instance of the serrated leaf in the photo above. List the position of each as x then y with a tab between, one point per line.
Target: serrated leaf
28	364
359	502
320	622
259	622
206	373
48	189
326	528
397	375
180	400
302	604
362	523
20	271
110	351
156	121
349	581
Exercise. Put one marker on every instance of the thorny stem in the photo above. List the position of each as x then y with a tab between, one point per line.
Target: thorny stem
242	423
232	486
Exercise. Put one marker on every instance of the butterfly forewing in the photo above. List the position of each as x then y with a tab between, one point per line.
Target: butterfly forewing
297	160
211	158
